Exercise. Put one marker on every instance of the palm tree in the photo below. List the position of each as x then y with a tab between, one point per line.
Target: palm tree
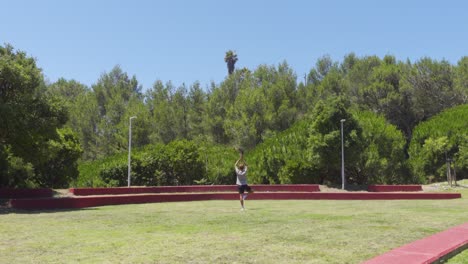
230	59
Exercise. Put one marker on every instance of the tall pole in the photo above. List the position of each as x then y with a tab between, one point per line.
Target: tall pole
342	156
130	148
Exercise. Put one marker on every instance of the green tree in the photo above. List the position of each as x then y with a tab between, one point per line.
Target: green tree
324	142
348	63
180	106
246	120
312	91
283	158
177	163
281	96
360	73
197	103
432	88
461	158
30	119
69	91
170	111
442	136
113	92
264	103
220	99
84	121
322	67
186	165
218	162
159	101
141	132
384	95
332	85
60	165
82	111
382	159
461	80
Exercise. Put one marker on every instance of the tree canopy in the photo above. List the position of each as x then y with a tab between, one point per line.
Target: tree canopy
394	111
35	150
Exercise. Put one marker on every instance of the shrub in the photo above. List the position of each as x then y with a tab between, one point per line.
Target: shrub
218	161
441	137
177	163
382	160
278	158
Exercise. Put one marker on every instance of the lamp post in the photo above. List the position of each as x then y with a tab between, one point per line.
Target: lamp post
129	148
342	156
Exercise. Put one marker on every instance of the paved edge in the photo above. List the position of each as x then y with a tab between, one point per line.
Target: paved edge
431	249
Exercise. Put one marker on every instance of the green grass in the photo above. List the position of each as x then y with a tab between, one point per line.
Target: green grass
461	258
316	231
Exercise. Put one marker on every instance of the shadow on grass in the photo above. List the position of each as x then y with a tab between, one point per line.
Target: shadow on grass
5	209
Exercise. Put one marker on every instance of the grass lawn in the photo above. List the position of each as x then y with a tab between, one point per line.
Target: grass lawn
461	258
314	231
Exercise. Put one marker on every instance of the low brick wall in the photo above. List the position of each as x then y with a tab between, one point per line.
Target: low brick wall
431	249
194	189
286	188
92	201
394	188
25	193
83	202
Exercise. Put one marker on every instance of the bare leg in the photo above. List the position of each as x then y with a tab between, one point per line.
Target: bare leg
241	198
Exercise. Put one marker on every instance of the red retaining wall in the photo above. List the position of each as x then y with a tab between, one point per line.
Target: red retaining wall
195	188
92	201
82	202
25	193
355	196
394	188
427	250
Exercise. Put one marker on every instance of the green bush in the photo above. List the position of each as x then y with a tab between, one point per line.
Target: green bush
61	165
307	153
17	173
218	161
382	159
324	141
310	151
88	175
298	172
441	137
279	158
177	163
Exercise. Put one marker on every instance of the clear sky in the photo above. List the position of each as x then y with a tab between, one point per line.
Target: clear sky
185	41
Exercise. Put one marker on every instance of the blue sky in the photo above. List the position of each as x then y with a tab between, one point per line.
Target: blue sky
185	41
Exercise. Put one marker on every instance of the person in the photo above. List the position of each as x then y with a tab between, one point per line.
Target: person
242	186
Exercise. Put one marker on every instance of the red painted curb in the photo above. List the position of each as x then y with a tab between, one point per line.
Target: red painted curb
394	188
92	201
25	193
195	188
426	250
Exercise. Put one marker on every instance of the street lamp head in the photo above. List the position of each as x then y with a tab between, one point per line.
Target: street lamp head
133	117
342	120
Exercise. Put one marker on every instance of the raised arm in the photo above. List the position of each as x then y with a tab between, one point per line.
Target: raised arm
237	162
241	158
